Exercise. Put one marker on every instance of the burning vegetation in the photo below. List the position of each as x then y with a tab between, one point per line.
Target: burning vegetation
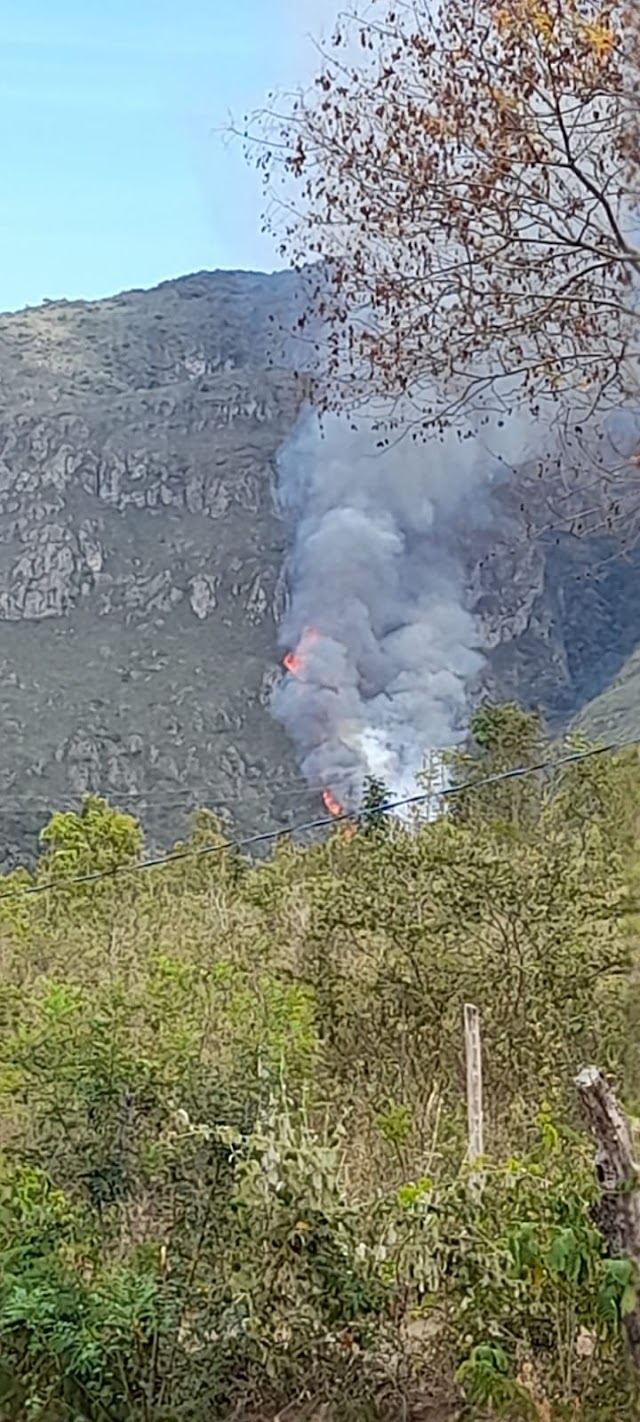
294	663
330	804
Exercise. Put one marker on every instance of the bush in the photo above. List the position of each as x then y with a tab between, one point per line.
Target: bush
233	1115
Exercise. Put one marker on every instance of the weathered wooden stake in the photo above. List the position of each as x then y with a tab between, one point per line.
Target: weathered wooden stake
617	1175
473	1050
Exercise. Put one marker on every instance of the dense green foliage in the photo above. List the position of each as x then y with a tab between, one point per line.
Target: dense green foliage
233	1118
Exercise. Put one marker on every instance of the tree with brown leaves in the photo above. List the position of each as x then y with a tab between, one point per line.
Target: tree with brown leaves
465	174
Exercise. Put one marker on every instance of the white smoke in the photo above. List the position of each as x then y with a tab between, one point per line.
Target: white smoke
385	648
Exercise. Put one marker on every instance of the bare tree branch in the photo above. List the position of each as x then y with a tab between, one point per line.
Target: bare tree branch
464	174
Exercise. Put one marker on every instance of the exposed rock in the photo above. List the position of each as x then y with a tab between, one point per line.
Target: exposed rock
203	594
140	554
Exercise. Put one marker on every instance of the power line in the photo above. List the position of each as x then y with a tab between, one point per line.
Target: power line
325	822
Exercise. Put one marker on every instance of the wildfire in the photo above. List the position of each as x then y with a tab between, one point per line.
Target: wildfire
293	662
330	804
335	808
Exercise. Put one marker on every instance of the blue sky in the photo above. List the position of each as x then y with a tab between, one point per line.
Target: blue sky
112	173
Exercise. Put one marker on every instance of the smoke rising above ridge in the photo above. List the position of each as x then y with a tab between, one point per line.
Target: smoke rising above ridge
379	647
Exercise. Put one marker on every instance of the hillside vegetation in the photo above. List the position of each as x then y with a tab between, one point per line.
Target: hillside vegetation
233	1120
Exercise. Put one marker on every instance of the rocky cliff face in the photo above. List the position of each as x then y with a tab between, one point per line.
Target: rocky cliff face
140	555
141	564
560	617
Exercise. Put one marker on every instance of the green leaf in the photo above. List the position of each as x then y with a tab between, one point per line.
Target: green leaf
563	1257
618	1271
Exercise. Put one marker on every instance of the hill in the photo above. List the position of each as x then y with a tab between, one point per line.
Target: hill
142	563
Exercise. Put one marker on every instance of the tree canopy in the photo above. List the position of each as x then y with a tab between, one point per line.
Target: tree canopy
465	172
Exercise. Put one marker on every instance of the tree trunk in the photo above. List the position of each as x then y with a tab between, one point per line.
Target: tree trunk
617	1174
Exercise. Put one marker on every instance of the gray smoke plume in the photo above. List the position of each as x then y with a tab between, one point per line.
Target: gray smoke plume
380	645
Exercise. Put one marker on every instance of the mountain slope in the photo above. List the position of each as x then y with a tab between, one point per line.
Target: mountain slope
142	564
140	554
615	714
560	615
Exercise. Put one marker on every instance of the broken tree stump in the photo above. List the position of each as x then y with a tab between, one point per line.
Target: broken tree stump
619	1182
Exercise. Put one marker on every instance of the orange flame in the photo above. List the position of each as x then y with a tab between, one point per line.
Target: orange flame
335	808
293	662
330	804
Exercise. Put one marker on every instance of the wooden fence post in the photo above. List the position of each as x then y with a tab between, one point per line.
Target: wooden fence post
473	1051
617	1175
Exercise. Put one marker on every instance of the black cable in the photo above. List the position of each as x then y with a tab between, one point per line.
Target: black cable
324	822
